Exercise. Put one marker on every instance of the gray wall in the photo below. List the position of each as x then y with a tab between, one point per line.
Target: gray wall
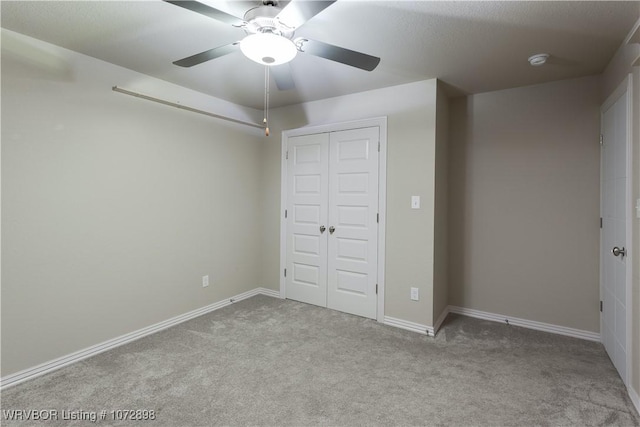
524	188
113	208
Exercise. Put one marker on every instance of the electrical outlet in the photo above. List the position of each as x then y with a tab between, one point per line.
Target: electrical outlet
415	295
205	281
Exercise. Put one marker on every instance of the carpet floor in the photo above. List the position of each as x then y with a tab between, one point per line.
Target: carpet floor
266	361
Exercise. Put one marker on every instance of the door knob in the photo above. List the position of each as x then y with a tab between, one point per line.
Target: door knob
332	229
322	228
616	251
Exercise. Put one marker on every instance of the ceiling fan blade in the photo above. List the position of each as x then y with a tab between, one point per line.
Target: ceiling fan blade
208	55
282	76
298	12
338	54
205	10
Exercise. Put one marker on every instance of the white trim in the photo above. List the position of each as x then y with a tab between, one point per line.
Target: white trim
409	326
634	398
283	220
382	210
515	321
530	324
626	86
381	123
336	127
629	229
52	365
269	292
440	320
622	88
634	34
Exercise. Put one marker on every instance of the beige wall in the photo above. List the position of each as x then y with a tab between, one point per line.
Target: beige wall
113	207
410	171
524	203
441	235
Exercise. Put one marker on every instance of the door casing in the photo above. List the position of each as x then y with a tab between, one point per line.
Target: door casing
380	122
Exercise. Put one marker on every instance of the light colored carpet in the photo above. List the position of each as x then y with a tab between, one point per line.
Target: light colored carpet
265	361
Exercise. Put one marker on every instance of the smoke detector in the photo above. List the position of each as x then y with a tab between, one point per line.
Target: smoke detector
538	59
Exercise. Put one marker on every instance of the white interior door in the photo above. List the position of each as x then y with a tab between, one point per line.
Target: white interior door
353	228
613	239
307	201
332	220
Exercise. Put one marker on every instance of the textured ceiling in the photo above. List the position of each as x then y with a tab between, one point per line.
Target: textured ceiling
473	46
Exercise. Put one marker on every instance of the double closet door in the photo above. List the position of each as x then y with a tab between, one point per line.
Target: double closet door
332	220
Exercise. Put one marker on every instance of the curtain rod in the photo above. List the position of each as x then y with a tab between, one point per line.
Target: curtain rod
184	107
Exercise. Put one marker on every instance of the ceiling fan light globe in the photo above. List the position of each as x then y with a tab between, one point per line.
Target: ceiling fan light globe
268	49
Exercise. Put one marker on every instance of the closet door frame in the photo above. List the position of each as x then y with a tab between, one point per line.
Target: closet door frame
381	123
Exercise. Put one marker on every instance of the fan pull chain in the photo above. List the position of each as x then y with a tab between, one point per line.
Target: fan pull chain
265	121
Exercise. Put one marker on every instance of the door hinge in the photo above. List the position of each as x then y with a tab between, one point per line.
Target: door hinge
378	218
601	139
285	213
600	306
376	289
285	272
600	222
286	155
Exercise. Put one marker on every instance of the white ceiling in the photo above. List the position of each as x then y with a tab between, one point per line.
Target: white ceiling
473	46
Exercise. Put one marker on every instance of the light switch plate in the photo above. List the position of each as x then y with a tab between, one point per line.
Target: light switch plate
638	208
415	202
415	296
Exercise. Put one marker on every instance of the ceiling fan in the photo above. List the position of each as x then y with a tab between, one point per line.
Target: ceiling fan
270	38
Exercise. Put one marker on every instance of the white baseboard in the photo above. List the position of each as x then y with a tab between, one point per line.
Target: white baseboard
531	324
60	362
417	327
440	320
634	398
269	292
409	326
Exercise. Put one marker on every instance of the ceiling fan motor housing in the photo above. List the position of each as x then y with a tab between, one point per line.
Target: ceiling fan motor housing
262	19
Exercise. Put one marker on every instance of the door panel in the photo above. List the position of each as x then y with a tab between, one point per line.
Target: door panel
353	202
307	200
614	217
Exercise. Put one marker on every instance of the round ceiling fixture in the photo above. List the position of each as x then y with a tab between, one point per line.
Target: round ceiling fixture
268	48
538	59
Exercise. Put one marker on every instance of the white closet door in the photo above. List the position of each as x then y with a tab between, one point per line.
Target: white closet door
307	201
353	227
